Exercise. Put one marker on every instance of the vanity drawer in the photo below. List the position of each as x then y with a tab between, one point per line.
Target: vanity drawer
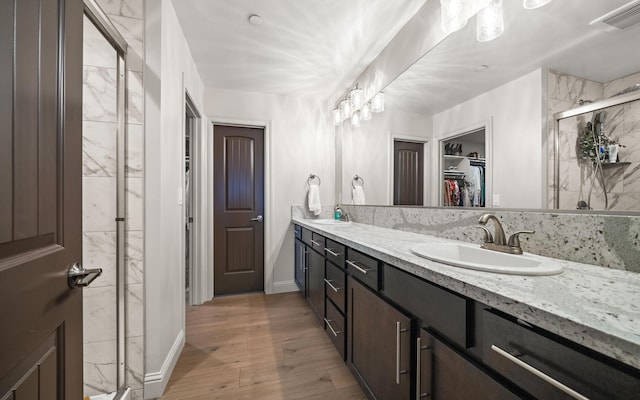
297	231
439	309
306	235
507	344
317	242
335	285
334	325
363	267
335	252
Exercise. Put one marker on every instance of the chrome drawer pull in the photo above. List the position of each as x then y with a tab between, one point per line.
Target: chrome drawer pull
333	253
328	282
328	322
359	268
418	367
539	373
313	242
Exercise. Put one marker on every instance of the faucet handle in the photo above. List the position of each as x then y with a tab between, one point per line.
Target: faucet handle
514	240
488	238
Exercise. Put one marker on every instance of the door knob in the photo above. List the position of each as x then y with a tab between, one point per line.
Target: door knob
79	276
258	218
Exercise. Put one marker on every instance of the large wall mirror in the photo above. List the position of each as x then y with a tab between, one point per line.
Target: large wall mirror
521	91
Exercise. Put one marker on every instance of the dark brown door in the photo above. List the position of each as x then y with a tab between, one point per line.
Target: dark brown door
408	173
238	209
40	198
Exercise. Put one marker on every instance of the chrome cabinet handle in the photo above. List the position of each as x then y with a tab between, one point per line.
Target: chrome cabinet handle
257	219
313	242
397	352
328	322
538	373
359	268
333	253
419	349
328	282
79	276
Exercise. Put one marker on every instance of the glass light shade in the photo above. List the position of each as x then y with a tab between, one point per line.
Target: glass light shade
377	103
357	98
531	4
490	22
337	117
365	113
453	15
355	119
345	109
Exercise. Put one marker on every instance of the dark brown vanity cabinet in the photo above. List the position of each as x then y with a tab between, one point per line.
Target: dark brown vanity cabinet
379	340
315	282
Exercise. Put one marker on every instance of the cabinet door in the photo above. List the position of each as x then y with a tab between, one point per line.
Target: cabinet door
300	272
315	288
443	374
379	344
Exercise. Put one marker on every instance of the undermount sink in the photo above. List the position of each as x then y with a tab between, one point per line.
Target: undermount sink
473	257
329	222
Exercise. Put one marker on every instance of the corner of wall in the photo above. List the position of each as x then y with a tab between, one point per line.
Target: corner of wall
156	382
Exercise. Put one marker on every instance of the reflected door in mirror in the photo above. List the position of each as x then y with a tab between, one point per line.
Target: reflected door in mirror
408	173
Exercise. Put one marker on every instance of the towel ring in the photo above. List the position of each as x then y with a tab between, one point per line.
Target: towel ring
312	177
357	179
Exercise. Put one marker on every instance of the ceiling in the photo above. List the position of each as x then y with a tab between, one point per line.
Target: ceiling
302	48
556	36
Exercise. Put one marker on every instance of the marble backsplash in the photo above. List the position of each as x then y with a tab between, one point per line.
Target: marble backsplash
611	241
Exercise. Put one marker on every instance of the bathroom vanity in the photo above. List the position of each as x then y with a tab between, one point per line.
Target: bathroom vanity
411	328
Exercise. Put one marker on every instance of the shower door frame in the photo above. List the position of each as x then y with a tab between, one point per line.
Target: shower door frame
100	20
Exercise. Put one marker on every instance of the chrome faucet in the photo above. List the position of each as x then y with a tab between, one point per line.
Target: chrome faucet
498	241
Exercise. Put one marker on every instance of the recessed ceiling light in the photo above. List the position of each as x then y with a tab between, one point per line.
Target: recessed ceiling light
481	68
255	19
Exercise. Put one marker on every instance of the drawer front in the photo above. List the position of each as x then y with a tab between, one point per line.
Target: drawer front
297	231
334	325
439	309
306	236
515	351
317	243
363	267
335	285
335	252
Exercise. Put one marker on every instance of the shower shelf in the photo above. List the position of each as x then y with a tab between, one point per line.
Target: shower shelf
615	164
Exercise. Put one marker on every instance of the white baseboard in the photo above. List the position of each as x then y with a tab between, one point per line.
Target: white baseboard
284	287
156	382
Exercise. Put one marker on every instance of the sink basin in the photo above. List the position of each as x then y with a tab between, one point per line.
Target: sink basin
329	222
473	257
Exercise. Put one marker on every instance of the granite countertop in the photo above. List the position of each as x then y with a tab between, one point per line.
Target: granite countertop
596	307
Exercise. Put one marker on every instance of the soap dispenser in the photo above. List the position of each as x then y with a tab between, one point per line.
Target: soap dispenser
337	213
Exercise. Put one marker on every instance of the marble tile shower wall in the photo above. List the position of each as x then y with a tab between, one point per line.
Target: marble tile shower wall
623	122
99	179
611	241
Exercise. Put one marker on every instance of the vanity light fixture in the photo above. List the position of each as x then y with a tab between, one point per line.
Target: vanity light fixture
355	119
490	22
354	108
531	4
337	117
366	113
345	109
454	15
356	96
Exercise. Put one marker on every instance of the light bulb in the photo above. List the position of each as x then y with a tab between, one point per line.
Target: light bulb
490	22
377	103
337	117
345	109
355	119
365	113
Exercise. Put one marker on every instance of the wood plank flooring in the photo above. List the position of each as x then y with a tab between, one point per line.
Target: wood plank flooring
259	347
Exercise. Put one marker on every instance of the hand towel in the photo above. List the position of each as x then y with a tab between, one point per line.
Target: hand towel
357	194
314	199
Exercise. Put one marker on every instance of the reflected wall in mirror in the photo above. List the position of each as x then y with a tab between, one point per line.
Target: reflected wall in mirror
546	61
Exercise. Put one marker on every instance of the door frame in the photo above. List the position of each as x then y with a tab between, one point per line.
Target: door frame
426	151
268	265
487	125
197	268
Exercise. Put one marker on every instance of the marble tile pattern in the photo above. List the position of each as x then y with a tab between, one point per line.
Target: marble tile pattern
576	176
590	305
99	161
610	241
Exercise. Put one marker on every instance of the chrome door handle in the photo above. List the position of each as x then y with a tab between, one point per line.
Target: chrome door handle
257	219
335	333
79	276
399	372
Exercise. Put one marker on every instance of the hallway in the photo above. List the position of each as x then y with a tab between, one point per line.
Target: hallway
257	346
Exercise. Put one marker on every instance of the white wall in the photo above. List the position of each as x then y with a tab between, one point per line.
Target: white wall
301	142
169	71
367	151
516	112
